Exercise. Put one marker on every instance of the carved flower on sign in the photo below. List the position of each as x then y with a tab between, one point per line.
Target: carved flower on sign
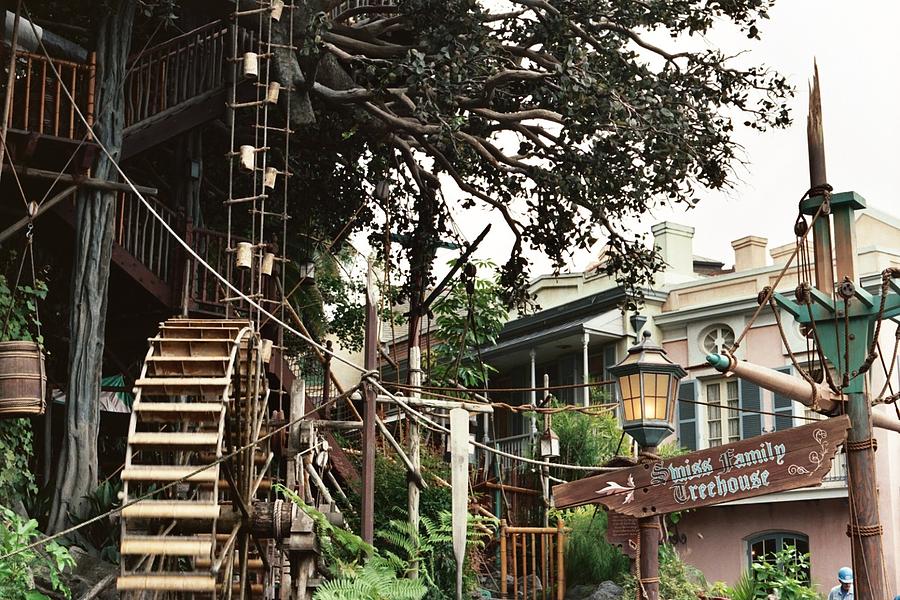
816	457
613	488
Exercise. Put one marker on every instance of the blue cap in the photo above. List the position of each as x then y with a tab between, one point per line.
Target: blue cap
845	575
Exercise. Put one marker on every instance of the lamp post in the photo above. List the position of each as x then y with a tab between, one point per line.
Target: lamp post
648	386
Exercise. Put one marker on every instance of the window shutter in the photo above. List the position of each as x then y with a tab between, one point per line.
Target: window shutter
751	423
609	360
687	415
784	408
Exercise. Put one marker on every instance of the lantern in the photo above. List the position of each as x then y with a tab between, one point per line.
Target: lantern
648	386
549	444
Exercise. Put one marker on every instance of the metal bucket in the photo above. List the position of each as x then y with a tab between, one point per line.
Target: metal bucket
23	381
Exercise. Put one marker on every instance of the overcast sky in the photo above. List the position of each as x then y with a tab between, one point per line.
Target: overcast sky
857	52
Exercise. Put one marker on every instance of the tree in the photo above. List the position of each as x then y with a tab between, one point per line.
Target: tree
559	115
77	472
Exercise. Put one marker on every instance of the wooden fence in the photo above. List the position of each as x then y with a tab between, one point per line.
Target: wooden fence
530	554
39	101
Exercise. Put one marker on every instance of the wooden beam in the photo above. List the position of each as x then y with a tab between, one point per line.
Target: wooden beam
44	207
100	184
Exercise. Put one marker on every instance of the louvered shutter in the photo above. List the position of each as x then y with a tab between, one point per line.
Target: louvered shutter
609	360
783	408
686	413
751	422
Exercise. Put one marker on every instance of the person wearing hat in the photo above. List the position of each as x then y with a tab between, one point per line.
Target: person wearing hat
844	591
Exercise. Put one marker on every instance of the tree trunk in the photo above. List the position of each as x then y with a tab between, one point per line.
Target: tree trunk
77	472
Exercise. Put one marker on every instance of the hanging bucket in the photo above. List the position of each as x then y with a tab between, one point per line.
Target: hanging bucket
244	255
272	92
23	381
277	9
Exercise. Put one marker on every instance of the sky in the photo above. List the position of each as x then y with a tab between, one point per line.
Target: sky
855	45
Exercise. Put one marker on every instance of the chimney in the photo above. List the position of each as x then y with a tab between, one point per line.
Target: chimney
780	254
749	253
675	244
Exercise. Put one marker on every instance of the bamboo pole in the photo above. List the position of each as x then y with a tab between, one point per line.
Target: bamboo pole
10	82
560	559
503	559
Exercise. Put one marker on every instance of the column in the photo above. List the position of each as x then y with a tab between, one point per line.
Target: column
585	340
532	395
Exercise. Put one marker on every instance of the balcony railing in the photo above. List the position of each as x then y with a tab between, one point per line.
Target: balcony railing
838	472
39	102
517	445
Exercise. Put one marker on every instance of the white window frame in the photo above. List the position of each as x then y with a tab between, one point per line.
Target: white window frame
726	414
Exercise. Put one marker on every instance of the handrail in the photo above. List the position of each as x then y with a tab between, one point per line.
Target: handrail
219	25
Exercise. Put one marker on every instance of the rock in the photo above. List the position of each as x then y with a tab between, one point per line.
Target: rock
605	591
531	582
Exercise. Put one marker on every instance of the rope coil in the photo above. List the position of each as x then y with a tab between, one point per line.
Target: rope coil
864	530
860	445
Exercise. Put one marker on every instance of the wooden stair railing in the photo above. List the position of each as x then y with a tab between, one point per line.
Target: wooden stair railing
40	104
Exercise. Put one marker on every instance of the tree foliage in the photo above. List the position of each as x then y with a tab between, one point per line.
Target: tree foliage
560	116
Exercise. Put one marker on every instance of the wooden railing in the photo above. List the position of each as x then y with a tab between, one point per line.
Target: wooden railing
517	445
143	236
352	8
39	102
182	68
212	246
535	557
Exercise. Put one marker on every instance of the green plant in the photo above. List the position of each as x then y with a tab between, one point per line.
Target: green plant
589	558
784	573
743	588
677	579
17	572
586	440
464	322
357	570
432	548
18	321
103	534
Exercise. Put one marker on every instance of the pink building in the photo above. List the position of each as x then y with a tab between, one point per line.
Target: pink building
704	314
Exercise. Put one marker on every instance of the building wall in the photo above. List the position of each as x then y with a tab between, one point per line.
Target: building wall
717	536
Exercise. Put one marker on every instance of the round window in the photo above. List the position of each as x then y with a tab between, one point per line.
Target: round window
717	338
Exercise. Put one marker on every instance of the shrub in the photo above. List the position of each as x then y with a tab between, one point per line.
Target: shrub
17	571
784	573
589	558
677	579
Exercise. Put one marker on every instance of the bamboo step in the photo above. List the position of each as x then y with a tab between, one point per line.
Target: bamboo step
167	582
166	545
198	331
166	439
177	411
167	473
191	386
190	347
172	509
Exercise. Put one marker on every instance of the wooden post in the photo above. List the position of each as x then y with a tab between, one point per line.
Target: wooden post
864	528
367	510
815	140
560	559
10	81
648	584
298	396
413	492
326	381
503	560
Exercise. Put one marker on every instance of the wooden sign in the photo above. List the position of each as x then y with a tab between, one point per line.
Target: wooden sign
622	530
787	460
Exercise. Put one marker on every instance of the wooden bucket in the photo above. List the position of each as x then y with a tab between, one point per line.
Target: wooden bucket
23	381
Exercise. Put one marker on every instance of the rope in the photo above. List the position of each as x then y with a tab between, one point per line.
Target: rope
864	531
740	338
859	445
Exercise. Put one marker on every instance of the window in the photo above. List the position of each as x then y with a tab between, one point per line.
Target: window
764	546
716	339
723	420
